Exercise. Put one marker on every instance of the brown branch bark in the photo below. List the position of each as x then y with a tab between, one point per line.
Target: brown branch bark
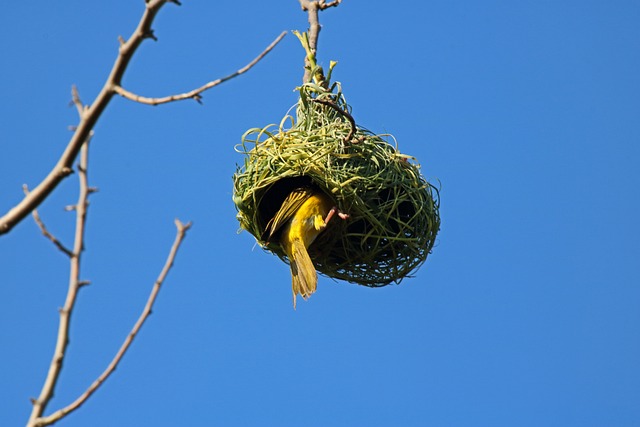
36	418
195	94
180	235
89	115
88	118
312	7
43	229
40	404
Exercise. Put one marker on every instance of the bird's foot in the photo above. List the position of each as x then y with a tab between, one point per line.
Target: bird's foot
334	211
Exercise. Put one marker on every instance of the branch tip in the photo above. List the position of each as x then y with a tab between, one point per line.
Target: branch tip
44	231
195	94
319	4
322	5
182	227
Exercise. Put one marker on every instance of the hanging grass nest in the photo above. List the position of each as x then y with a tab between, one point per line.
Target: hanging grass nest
393	211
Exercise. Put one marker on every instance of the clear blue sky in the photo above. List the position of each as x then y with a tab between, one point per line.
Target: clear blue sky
526	314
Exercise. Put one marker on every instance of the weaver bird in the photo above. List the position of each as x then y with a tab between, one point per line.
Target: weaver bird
303	215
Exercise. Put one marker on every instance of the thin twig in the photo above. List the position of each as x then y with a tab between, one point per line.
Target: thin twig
344	113
181	232
333	3
196	93
75	100
40	404
43	228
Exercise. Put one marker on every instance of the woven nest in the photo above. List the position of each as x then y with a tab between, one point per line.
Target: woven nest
393	211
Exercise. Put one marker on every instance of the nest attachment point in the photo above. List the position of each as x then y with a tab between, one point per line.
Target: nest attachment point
393	211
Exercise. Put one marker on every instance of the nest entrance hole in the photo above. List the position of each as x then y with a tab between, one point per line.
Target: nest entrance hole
271	199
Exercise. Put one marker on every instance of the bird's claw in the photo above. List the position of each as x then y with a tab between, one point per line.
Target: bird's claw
334	210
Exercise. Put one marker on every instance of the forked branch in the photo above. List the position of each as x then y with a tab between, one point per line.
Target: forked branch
62	341
88	118
89	115
180	235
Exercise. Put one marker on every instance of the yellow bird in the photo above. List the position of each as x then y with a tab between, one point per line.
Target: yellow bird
303	215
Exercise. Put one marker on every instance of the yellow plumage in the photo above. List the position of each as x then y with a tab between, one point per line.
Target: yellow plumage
303	215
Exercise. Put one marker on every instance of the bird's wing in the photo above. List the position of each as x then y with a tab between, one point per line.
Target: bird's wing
289	207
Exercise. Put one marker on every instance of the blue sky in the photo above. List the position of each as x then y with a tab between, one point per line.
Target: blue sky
527	312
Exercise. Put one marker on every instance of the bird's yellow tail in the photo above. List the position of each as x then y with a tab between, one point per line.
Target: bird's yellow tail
303	273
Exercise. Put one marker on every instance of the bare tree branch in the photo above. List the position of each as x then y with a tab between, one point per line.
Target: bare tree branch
43	228
312	7
196	93
40	404
89	116
181	233
75	100
88	119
